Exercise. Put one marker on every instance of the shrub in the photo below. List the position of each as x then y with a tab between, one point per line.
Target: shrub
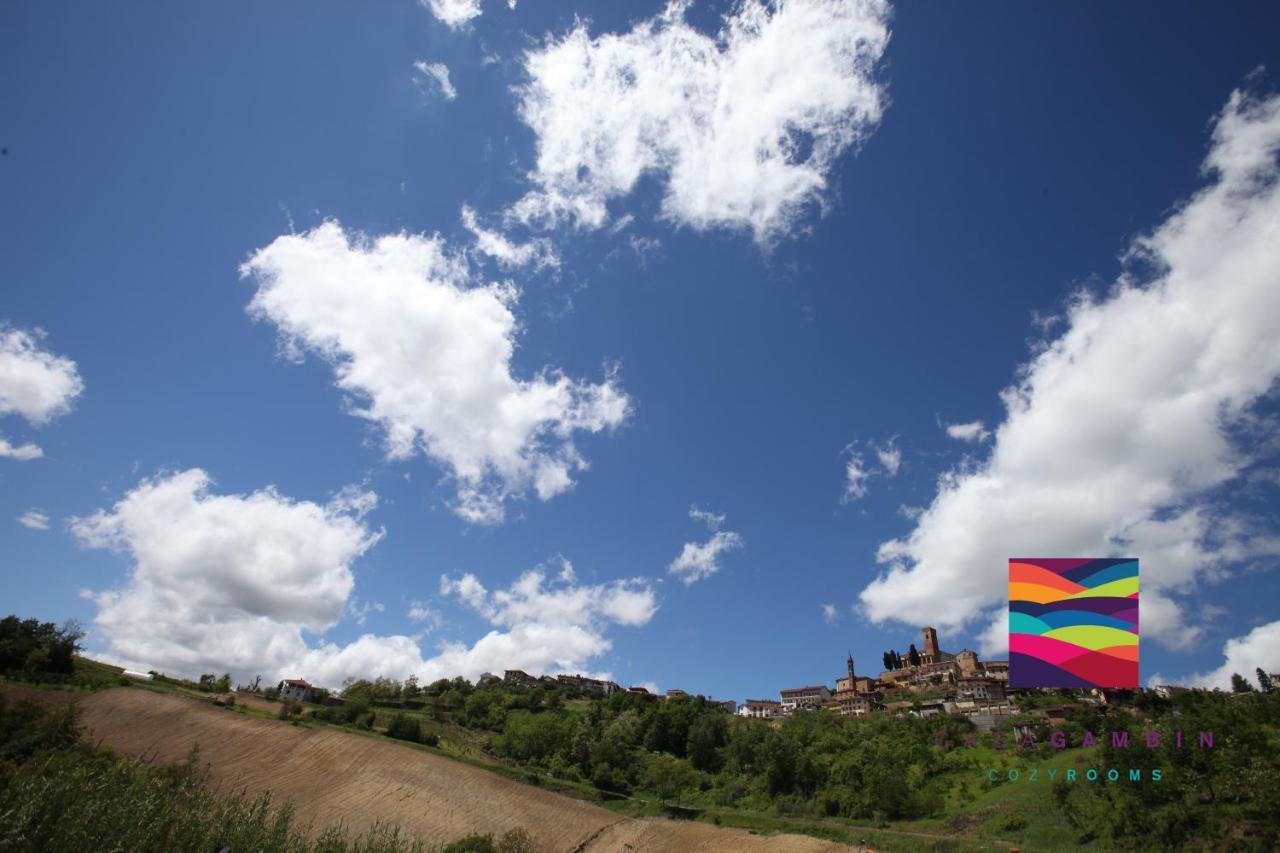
404	727
516	841
472	844
288	709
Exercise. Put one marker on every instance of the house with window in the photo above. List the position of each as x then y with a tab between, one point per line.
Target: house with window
761	709
805	698
295	690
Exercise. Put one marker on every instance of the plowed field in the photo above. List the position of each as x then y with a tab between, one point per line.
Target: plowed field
331	775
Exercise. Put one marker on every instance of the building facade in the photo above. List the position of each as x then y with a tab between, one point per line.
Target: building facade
805	698
762	709
295	690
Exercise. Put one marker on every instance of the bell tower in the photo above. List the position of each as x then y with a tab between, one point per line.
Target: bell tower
930	644
851	676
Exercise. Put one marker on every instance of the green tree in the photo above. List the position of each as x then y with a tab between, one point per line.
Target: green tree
1240	684
707	734
1264	681
668	777
29	647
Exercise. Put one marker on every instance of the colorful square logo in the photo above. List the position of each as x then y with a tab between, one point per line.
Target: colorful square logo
1073	622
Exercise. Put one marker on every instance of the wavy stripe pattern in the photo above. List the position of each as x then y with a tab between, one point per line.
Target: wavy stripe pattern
1073	622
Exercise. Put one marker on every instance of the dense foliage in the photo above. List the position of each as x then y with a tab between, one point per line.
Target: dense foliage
687	751
30	648
1226	797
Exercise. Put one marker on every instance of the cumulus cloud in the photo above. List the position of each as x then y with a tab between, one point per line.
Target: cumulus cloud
543	625
455	13
34	519
221	582
742	129
426	354
699	560
21	452
829	613
510	255
34	383
974	431
1119	432
1243	655
434	74
247	583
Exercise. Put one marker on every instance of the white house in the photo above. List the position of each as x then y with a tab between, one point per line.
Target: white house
296	690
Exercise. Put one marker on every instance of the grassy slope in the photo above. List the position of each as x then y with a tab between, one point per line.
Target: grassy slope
979	821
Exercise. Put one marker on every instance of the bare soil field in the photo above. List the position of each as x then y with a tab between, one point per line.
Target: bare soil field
331	775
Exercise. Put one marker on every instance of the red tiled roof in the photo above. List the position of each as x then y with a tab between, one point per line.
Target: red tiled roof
297	682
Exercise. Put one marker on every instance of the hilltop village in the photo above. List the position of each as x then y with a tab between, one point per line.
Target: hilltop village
922	682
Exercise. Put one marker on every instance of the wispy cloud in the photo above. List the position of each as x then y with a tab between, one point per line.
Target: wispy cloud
34	519
700	560
434	74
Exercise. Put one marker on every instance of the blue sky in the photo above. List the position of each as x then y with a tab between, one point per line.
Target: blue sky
1011	157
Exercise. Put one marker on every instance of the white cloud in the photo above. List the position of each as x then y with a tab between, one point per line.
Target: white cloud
221	582
541	626
1118	432
539	252
743	129
359	612
712	520
35	383
829	613
699	560
455	13
437	73
419	612
890	457
237	582
856	475
426	354
974	431
1243	655
34	519
21	452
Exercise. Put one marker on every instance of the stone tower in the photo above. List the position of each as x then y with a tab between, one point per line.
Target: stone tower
851	676
930	649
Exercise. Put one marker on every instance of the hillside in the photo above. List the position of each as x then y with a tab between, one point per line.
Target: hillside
332	775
